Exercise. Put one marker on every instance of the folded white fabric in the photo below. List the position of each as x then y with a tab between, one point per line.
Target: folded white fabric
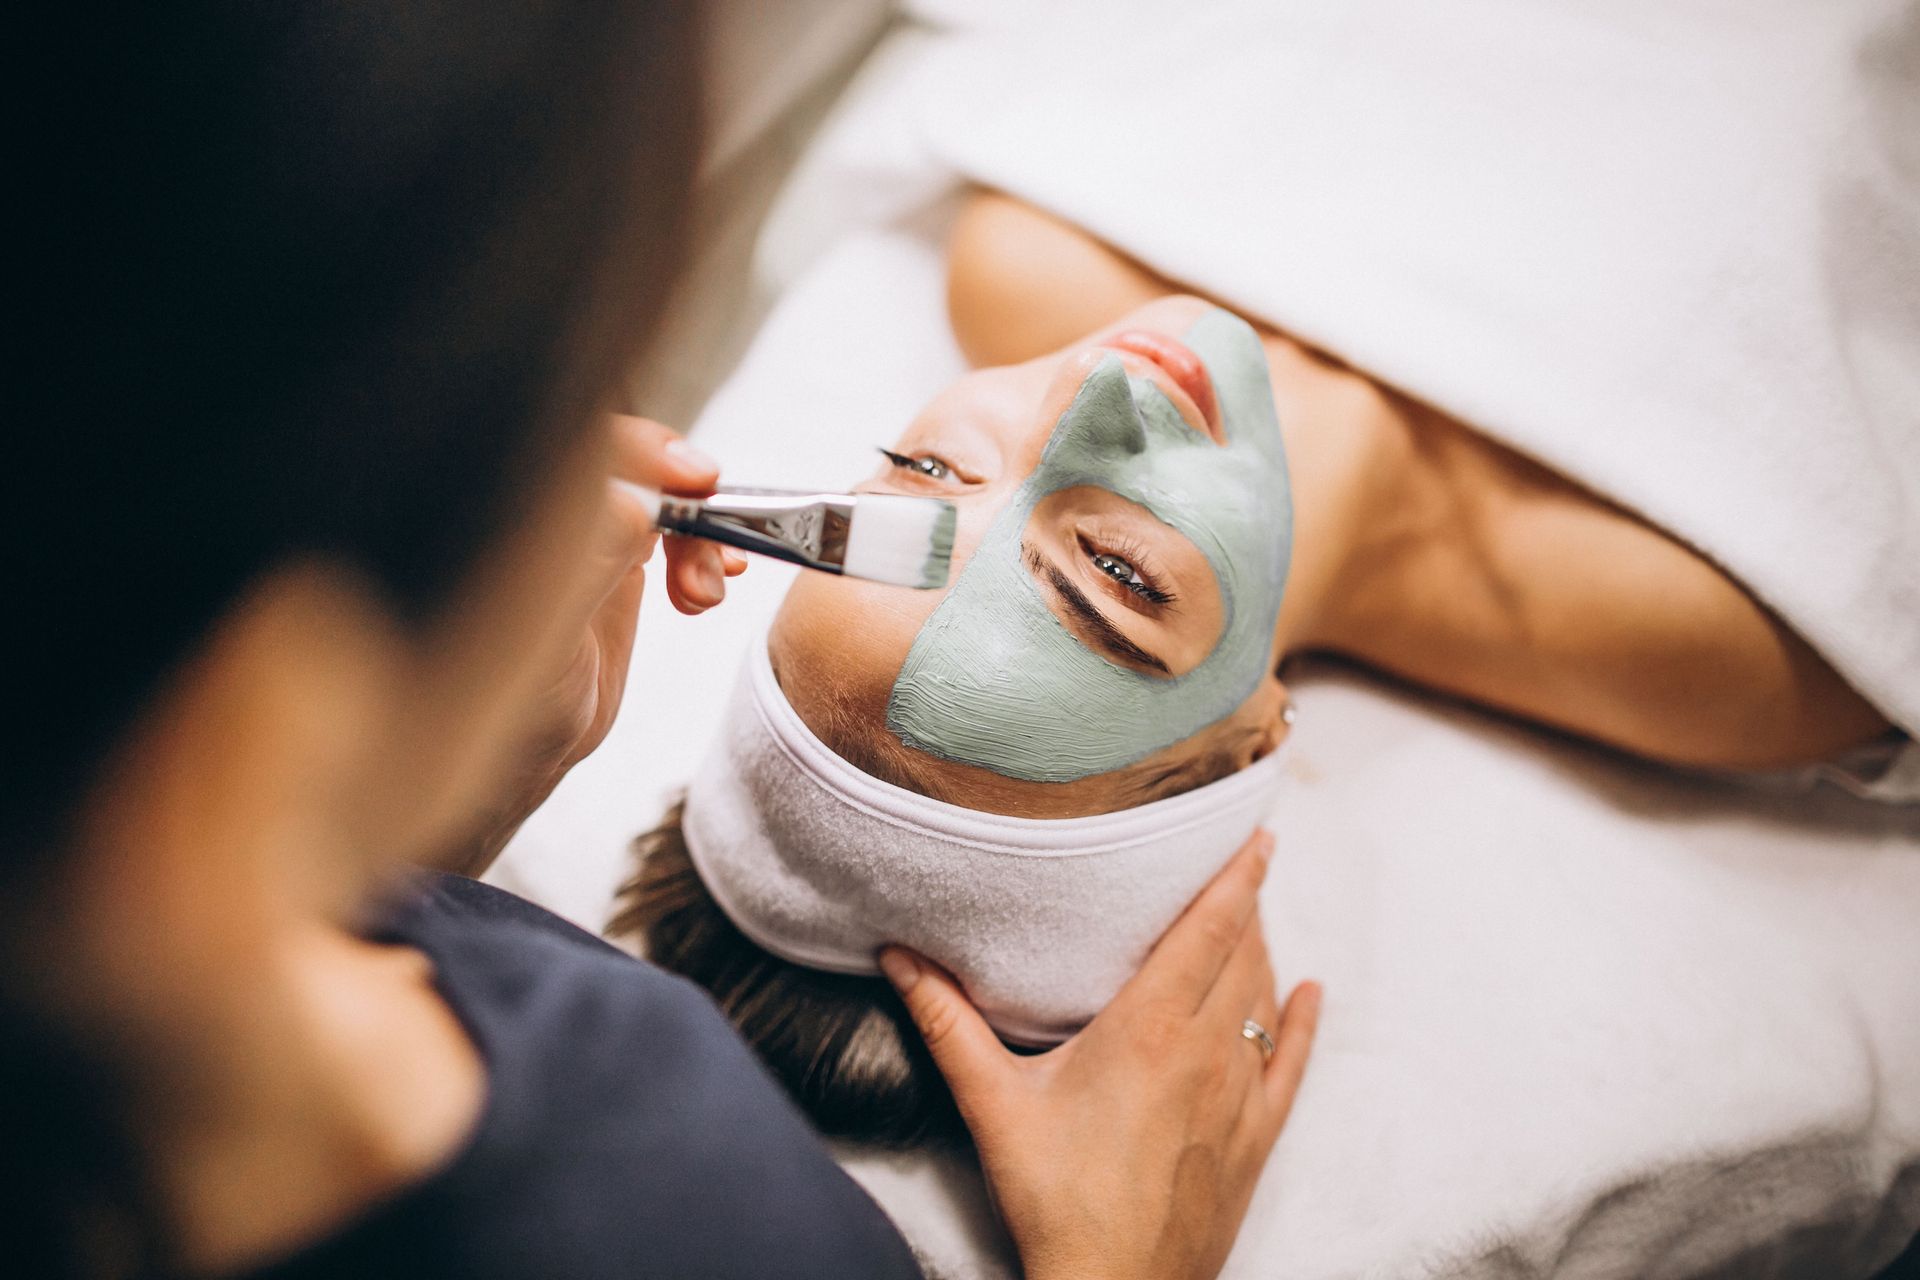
1042	920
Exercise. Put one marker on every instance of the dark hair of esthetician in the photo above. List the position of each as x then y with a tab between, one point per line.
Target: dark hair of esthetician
316	572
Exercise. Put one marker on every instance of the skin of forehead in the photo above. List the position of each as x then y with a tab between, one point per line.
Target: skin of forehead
995	678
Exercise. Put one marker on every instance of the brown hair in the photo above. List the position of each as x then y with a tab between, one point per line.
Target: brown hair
842	1046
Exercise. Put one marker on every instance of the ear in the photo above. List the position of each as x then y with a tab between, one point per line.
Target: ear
1267	715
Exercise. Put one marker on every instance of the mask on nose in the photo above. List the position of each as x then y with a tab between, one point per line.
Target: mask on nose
995	679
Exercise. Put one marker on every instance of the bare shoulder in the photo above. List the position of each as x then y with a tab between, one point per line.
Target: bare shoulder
1021	282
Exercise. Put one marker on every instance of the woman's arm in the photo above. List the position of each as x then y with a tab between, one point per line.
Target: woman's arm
1500	581
1477	572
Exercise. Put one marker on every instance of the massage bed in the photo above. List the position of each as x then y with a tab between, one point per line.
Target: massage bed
1585	1017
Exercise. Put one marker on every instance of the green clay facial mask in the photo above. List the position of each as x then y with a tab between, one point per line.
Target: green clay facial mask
996	679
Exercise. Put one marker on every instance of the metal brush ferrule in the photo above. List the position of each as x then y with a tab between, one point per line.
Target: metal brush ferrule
799	526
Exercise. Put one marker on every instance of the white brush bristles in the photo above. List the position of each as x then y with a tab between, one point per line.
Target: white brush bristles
902	540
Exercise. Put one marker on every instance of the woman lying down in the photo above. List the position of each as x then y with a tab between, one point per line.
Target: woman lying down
1026	777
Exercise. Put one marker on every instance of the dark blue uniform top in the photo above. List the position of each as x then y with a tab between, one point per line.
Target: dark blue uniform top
627	1132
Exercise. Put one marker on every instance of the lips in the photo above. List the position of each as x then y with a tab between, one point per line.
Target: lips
1178	362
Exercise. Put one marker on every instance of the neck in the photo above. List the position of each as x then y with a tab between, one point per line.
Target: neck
284	1073
1346	444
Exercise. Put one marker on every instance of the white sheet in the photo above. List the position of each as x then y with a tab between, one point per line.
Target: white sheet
1584	1018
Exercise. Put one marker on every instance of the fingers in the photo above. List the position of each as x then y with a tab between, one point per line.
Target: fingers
696	574
1188	960
1292	1043
650	453
1266	1012
963	1046
1245	982
630	536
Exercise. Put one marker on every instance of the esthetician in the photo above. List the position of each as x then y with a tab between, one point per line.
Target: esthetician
318	577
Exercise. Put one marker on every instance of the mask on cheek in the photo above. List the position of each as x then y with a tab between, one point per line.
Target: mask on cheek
994	677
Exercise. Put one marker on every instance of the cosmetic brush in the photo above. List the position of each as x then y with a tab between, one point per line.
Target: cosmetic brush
882	537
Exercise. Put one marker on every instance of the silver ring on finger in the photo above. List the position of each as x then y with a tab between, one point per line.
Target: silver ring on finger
1261	1040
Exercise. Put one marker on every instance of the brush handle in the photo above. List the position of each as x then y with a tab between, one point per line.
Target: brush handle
802	527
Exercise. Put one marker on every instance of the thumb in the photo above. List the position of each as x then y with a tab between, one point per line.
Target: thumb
963	1046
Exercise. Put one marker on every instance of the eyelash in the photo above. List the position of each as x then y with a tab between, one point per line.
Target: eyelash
907	462
1134	556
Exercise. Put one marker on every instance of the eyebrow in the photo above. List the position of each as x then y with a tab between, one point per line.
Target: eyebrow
1109	637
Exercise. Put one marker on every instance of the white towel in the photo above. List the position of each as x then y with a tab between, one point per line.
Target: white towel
1670	249
1041	919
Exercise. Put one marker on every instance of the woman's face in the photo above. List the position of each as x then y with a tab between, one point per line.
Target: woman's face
1121	545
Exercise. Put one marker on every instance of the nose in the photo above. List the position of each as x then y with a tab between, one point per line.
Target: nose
1103	415
1177	370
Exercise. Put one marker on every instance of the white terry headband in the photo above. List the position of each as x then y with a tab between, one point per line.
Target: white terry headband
1042	919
